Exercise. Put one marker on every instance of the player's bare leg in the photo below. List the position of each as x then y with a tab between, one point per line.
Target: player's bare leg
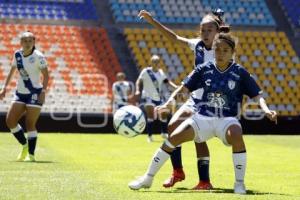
182	134
235	138
13	116
32	115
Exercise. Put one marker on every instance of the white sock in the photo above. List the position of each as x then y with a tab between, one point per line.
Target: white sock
239	163
16	129
159	158
31	134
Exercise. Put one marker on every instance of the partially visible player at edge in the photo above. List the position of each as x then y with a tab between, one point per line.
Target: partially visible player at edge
210	25
148	88
123	92
29	95
224	83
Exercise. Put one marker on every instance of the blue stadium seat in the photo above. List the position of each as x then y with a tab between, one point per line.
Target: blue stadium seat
160	8
49	9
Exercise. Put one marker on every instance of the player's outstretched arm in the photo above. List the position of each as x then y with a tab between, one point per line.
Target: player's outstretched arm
7	81
171	35
271	114
168	104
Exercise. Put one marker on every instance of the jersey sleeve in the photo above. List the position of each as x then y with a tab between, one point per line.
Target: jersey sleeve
192	43
191	82
142	74
250	86
163	75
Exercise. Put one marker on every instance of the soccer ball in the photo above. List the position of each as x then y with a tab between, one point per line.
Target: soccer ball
129	121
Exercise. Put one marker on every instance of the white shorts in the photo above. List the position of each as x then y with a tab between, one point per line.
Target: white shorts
208	127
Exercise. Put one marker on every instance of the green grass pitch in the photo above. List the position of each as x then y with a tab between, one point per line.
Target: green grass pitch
86	166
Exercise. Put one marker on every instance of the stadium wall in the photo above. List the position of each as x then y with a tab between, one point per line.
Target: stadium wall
102	123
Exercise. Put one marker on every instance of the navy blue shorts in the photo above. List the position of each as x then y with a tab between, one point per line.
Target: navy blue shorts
28	99
149	101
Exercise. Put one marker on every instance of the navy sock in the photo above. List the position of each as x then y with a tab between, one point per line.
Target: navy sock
203	169
20	136
176	158
150	127
32	145
164	126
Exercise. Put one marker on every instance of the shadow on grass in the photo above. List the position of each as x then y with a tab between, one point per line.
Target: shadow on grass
38	161
215	190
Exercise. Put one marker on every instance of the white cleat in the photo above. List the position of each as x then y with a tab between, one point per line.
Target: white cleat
164	135
142	182
239	188
150	139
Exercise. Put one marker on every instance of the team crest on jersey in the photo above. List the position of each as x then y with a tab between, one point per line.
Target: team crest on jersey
31	59
231	84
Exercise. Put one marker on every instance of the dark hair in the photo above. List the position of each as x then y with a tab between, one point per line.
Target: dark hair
218	14
228	38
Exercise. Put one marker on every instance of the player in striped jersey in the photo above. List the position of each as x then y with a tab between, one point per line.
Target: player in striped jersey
149	86
122	92
210	25
29	96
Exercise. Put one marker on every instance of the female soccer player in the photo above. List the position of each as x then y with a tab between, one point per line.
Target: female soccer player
29	96
210	25
122	92
224	83
151	79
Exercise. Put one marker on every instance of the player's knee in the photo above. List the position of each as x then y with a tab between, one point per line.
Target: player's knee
234	135
10	122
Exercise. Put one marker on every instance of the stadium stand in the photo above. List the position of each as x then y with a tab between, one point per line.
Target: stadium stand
292	12
81	61
268	55
48	10
238	12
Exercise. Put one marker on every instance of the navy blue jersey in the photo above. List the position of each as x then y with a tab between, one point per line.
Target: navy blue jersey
223	90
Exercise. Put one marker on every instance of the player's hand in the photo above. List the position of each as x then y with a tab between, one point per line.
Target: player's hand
41	98
272	115
161	109
144	14
2	93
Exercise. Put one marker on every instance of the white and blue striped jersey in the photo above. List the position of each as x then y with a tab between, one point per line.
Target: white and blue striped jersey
121	90
32	65
152	83
202	54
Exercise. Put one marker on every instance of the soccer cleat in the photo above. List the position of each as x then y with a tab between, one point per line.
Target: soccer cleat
203	185
142	182
150	139
164	135
239	188
177	176
30	158
22	155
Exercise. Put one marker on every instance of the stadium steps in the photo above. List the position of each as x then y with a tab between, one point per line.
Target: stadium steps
117	39
283	24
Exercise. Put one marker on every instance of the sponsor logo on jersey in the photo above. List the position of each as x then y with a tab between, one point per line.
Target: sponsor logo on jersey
31	59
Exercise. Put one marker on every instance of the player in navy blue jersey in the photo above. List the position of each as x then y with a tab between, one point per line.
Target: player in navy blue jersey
224	83
30	94
210	25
